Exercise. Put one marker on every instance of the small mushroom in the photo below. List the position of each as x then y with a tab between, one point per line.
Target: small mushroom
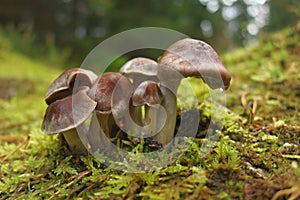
70	79
68	114
101	92
148	96
69	106
103	120
190	58
147	93
138	70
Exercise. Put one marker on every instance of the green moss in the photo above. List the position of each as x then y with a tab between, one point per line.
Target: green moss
256	155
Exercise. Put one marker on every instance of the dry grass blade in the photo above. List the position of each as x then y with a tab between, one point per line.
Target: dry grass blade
254	106
15	150
244	99
76	178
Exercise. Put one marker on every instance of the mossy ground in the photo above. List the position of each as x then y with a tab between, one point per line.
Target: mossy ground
256	157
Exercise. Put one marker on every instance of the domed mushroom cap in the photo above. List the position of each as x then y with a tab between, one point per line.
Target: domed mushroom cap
195	58
68	113
64	84
103	89
144	66
147	93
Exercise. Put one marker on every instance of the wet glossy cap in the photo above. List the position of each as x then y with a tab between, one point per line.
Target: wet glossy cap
103	89
68	113
144	66
195	58
64	84
147	93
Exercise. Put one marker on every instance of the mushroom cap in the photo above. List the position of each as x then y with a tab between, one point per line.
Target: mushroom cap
64	84
140	65
140	69
68	113
103	88
195	58
148	93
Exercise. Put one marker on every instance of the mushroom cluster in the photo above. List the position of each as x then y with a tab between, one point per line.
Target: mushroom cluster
139	100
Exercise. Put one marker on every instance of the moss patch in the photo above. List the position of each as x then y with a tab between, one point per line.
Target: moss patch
256	156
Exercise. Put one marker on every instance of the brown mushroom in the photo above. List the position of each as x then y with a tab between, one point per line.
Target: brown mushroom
141	70
185	58
103	120
138	70
70	79
190	58
147	93
195	58
101	92
68	114
148	96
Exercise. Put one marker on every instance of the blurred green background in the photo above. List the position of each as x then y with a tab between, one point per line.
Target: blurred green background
69	29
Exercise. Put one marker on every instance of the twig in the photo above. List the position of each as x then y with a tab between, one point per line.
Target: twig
74	191
15	150
54	185
77	178
88	188
60	182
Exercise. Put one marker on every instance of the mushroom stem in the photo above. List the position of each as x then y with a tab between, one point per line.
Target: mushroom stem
105	122
169	103
97	137
136	115
74	142
150	116
154	119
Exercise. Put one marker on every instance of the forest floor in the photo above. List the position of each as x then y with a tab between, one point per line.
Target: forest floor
256	157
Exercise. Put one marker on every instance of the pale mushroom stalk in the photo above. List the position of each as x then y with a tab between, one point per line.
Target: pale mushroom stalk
105	122
97	137
135	113
169	83
74	141
150	118
169	103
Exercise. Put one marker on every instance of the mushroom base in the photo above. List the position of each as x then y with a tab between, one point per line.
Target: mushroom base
74	142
